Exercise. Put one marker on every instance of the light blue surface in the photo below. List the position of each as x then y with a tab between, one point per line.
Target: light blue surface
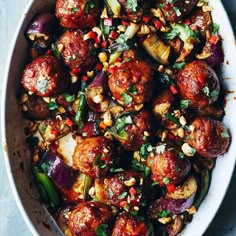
11	221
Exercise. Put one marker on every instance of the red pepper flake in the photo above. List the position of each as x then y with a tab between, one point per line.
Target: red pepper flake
187	22
105	44
112	70
123	204
146	19
157	24
49	52
113	34
108	21
213	39
132	191
54	131
69	122
170	188
99	67
126	23
93	35
75	71
105	158
201	78
102	125
173	89
84	78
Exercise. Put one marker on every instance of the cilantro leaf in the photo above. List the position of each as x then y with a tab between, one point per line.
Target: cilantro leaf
132	5
225	134
185	103
101	230
127	98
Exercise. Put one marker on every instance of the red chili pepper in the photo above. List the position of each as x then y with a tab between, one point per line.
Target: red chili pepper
105	158
49	52
173	89
201	78
69	122
112	70
54	131
99	67
187	22
118	59
132	191
93	35
105	44
75	71
107	21
170	188
213	39
146	19
125	23
193	27
123	204
84	78
113	34
157	24
135	234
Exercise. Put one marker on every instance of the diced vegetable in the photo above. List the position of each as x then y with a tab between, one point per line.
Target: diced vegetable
46	188
156	48
61	174
204	187
115	6
97	93
79	117
43	25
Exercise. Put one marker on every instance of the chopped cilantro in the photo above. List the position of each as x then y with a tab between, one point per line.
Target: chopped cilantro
89	4
127	98
69	97
181	155
132	5
179	65
52	106
163	214
166	180
141	167
74	9
131	89
215	28
110	192
225	134
185	103
101	230
214	95
122	196
43	127
206	90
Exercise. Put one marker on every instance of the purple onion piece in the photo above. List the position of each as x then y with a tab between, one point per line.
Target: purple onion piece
43	25
217	55
62	175
97	93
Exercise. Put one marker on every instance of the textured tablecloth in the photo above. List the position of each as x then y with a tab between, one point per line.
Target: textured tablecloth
11	221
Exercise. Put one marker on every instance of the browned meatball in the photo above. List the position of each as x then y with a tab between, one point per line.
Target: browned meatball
77	14
87	217
166	165
36	108
76	52
210	137
133	130
132	12
45	76
198	83
131	83
124	189
93	156
128	225
177	9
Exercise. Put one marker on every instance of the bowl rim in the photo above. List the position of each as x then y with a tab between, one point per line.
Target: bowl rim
5	81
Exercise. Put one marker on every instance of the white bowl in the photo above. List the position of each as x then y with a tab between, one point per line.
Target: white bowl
18	158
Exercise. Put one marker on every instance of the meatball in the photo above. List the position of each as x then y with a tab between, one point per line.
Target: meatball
131	83
132	12
77	14
77	52
166	165
175	10
128	225
210	137
46	77
199	84
133	130
87	217
36	108
124	189
93	156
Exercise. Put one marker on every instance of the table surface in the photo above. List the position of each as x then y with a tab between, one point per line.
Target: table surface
11	221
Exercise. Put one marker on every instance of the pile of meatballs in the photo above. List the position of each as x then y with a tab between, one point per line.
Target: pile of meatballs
147	129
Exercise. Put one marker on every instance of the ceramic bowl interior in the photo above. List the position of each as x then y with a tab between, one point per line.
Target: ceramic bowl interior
17	155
